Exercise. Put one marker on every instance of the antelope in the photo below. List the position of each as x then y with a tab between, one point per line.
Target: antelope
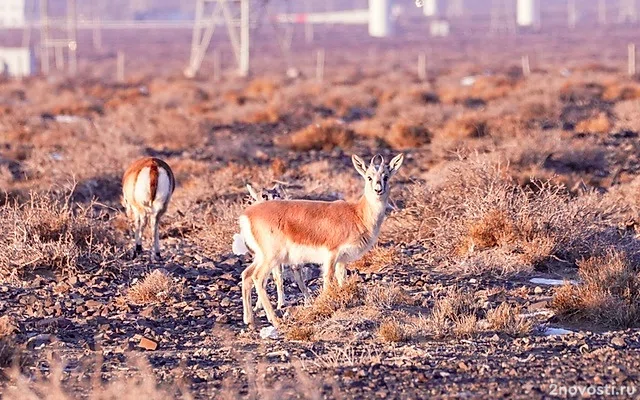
275	193
147	186
306	231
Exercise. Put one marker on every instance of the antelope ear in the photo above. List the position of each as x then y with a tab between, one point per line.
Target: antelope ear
360	165
280	190
252	192
395	163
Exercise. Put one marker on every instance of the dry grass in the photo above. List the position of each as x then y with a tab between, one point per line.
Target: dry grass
156	287
477	220
377	259
403	136
329	301
600	123
216	226
507	318
49	232
325	135
608	294
467	126
387	297
8	346
392	332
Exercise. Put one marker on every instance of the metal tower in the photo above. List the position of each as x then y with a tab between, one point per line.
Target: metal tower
628	11
234	14
572	14
502	16
58	33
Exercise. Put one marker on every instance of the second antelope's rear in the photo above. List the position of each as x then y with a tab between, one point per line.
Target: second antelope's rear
303	231
147	186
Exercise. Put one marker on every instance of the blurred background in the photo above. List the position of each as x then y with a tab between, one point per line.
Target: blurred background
216	37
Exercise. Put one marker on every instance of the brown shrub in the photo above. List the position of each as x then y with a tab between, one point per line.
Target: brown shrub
618	91
467	126
499	226
403	136
319	136
391	331
485	88
376	259
597	124
7	327
234	97
299	332
506	318
387	297
329	301
269	115
608	293
156	287
278	167
7	342
262	87
48	232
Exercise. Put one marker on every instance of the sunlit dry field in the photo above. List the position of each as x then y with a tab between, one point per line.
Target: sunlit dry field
514	215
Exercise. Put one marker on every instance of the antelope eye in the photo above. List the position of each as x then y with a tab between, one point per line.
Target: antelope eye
370	179
264	196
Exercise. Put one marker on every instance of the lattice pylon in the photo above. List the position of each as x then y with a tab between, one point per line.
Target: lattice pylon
234	14
66	28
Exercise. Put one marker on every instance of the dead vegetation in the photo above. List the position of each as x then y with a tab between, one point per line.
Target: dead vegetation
608	293
156	287
51	233
325	135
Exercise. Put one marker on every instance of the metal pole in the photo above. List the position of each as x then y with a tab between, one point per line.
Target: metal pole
572	14
217	65
120	67
526	68
631	50
72	36
320	65
44	36
422	66
244	37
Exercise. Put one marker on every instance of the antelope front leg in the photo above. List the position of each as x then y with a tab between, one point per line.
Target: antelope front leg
277	279
329	270
259	275
341	273
297	276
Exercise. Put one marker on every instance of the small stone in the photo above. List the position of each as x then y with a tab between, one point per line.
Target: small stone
538	290
269	332
226	302
462	366
197	313
618	342
148	344
222	319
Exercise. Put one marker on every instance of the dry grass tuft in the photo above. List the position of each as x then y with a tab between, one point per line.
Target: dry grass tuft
331	300
468	126
325	135
597	124
262	88
156	287
387	297
404	136
376	260
391	331
7	342
7	327
49	232
478	219
608	294
299	332
269	115
507	318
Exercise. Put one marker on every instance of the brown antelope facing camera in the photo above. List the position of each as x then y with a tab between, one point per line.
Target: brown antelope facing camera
147	186
239	248
304	231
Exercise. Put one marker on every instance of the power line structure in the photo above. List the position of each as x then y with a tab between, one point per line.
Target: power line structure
502	17
628	11
58	34
572	14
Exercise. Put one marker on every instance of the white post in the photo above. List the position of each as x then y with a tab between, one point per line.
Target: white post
631	49
528	13
120	66
244	37
320	65
430	8
572	14
526	68
422	66
380	24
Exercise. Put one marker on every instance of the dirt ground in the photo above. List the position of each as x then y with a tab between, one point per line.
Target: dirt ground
506	179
